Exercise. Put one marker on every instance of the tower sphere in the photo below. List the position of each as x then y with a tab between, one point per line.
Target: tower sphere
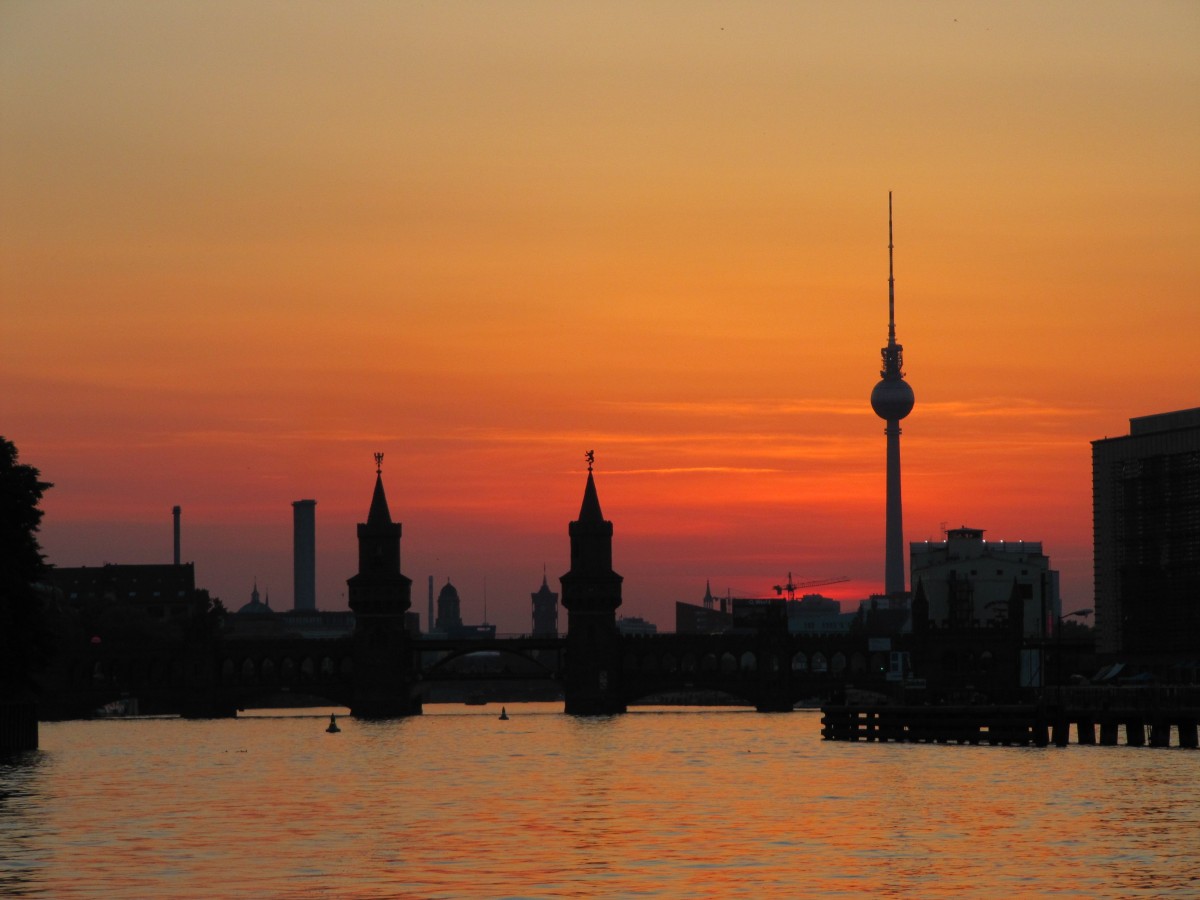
892	399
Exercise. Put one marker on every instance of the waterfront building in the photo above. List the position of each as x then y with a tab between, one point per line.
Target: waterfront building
162	592
972	583
1146	528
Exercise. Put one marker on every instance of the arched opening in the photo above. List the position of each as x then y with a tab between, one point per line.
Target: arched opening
858	665
748	662
649	664
668	663
819	663
688	664
248	673
709	663
729	663
800	662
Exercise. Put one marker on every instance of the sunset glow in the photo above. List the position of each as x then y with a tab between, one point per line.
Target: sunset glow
245	246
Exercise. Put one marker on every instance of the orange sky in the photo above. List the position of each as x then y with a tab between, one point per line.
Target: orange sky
244	246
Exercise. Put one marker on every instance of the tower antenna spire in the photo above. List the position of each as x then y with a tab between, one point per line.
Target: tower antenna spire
891	279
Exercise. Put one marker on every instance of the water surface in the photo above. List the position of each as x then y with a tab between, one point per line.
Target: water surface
656	803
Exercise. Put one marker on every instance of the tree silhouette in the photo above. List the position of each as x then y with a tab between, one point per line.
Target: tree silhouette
24	641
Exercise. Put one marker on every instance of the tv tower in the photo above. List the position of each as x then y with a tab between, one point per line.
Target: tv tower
892	399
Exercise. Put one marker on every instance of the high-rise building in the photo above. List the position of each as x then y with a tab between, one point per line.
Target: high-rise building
892	399
1146	522
304	554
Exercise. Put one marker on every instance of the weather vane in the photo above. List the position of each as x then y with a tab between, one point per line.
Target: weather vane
590	456
378	463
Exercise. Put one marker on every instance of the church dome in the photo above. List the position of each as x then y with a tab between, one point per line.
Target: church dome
256	607
448	592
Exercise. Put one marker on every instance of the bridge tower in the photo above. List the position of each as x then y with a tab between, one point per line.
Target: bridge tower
384	660
591	593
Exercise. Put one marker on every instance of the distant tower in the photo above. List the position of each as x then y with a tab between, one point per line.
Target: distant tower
304	554
545	610
175	513
591	594
449	609
380	595
892	399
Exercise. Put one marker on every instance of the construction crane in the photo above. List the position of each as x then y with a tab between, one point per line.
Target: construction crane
791	586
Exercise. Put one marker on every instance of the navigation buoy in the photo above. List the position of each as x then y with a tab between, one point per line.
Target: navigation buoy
333	725
503	714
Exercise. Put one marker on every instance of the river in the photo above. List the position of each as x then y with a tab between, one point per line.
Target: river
655	803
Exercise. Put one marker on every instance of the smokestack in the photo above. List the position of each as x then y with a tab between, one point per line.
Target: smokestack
175	511
429	624
304	554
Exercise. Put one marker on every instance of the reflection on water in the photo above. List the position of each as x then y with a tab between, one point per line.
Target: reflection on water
660	803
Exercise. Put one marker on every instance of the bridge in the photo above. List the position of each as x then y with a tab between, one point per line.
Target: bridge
383	670
218	678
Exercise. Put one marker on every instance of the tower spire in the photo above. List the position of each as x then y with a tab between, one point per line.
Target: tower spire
891	280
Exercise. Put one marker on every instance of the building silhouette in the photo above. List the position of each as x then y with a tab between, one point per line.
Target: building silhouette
892	399
304	554
591	595
971	583
162	592
545	609
1146	521
449	609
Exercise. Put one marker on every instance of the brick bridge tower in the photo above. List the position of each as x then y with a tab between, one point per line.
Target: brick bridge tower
384	669
591	593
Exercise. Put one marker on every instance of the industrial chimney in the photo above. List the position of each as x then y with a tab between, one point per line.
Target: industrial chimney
304	554
175	511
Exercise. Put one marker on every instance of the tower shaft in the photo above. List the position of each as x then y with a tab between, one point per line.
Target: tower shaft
893	573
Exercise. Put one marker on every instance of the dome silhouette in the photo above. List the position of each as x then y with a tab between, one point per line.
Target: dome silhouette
892	399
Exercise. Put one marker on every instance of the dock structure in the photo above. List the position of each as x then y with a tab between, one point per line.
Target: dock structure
1155	717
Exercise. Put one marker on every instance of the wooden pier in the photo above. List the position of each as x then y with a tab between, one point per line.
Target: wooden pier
1135	717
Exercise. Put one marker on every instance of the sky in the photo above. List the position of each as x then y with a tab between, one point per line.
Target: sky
243	247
